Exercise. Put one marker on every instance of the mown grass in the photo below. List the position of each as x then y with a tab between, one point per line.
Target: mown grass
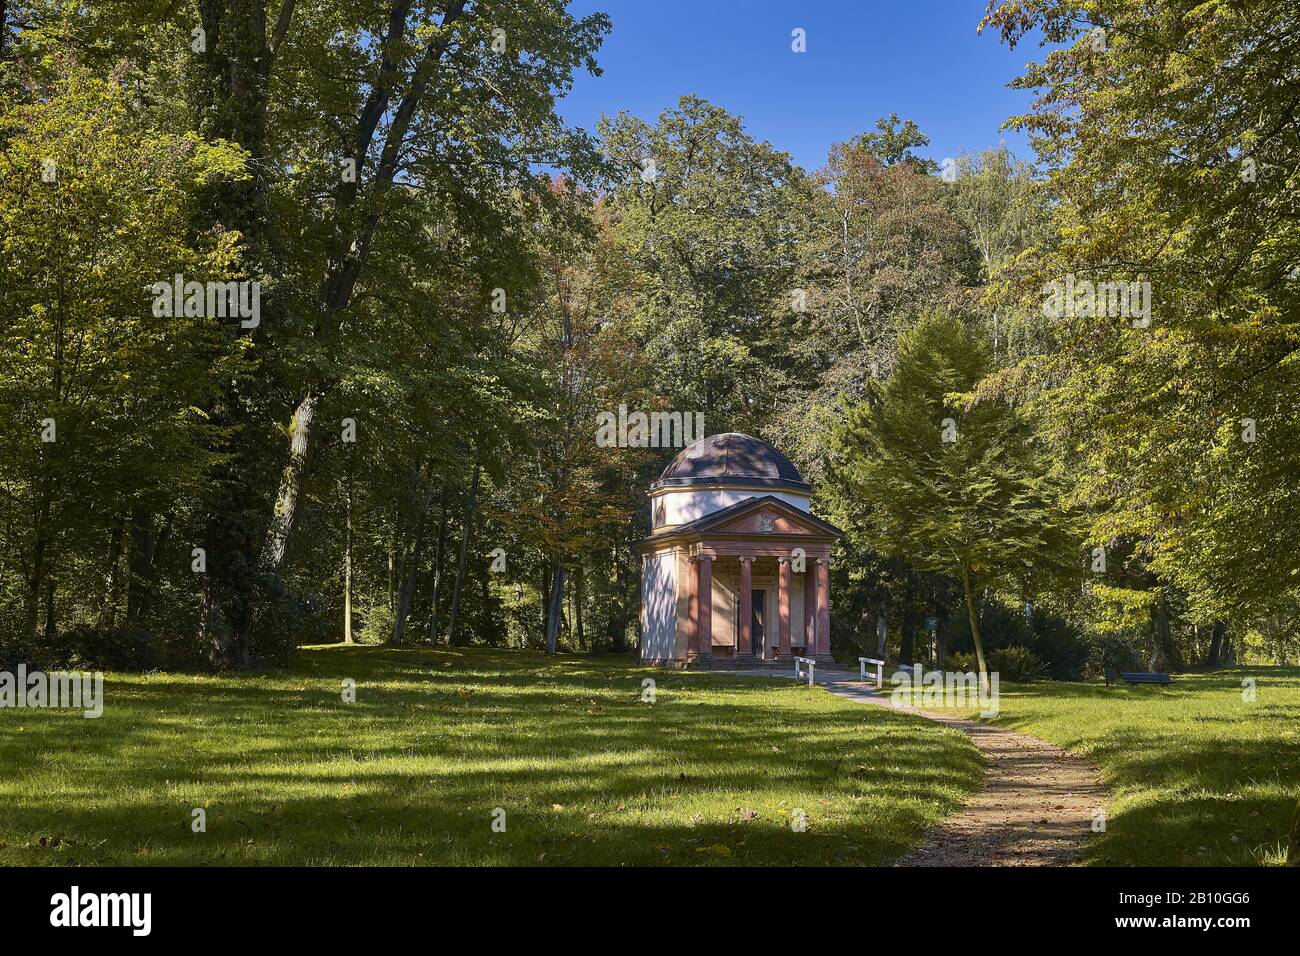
1200	775
712	772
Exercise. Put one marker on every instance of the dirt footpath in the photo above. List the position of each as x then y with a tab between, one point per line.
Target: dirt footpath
1036	808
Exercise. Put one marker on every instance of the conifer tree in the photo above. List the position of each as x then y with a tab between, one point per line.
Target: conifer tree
924	472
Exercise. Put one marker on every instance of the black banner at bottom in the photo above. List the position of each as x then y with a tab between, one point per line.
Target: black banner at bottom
229	905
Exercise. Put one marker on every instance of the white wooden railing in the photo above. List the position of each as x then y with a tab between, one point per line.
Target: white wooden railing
880	668
808	662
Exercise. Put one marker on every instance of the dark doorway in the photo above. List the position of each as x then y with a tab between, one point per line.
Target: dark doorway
759	601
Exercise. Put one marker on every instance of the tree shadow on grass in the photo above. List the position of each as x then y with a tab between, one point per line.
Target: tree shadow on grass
1202	775
718	770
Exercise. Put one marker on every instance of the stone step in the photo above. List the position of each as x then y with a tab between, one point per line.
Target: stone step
749	664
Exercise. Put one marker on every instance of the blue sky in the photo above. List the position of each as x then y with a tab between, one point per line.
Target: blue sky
921	59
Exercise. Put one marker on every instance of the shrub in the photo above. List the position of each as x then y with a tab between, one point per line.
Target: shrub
90	647
1016	664
378	628
960	662
1061	646
289	615
1117	651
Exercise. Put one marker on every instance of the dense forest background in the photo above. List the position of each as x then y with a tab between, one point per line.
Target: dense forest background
454	286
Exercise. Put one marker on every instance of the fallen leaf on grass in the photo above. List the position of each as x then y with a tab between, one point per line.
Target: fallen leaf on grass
717	850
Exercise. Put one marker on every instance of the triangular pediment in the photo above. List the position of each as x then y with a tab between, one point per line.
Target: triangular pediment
764	515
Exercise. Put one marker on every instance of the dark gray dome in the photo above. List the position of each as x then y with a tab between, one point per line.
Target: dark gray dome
731	458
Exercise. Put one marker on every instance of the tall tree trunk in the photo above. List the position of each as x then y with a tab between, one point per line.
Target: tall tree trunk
544	596
485	593
228	537
1229	653
43	532
579	580
140	565
620	581
941	633
228	95
973	613
555	608
50	628
108	602
438	552
290	490
347	558
1164	652
907	643
347	257
467	524
1214	655
411	569
391	587
39	570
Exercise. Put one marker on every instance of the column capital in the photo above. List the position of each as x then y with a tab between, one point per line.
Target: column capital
745	558
782	560
702	557
826	561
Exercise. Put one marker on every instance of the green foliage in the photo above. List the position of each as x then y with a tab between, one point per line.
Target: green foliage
983	503
1002	205
895	141
946	483
703	212
1016	664
878	246
1172	159
93	209
89	646
376	301
1116	653
378	626
678	264
1063	645
961	662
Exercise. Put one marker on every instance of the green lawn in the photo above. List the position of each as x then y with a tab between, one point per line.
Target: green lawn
1199	776
587	773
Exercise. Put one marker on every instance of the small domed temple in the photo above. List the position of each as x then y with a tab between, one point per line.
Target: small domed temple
736	569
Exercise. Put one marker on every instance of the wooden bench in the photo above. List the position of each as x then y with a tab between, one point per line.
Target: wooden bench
880	668
1137	677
